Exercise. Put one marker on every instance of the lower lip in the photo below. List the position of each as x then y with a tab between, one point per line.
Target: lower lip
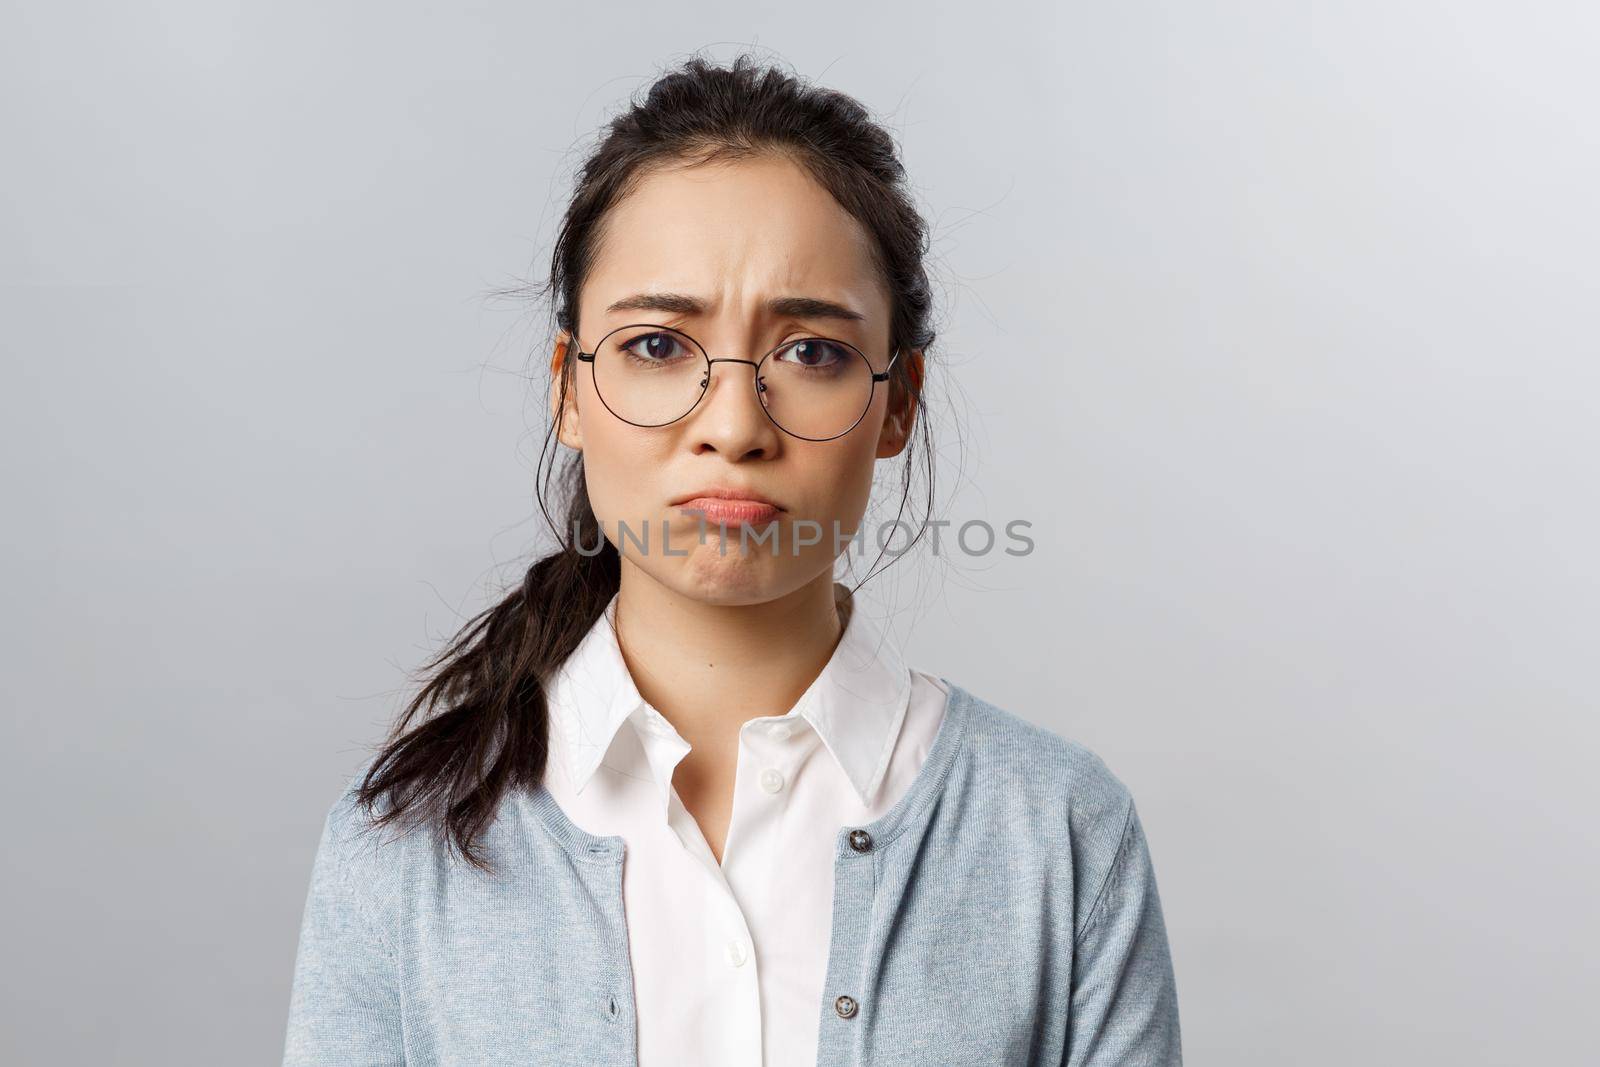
731	512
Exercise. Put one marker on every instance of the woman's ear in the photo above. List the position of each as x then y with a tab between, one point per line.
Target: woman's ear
564	410
903	403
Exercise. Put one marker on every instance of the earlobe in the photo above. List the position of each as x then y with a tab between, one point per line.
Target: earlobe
896	430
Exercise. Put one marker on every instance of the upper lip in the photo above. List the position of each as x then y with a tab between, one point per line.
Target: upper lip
723	492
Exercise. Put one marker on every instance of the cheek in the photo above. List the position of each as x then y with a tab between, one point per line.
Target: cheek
839	474
622	466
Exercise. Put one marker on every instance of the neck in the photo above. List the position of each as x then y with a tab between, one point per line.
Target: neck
709	667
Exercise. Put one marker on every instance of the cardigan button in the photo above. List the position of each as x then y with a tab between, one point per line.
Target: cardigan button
846	1006
860	840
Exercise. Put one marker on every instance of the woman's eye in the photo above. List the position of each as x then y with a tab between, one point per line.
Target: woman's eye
653	346
812	353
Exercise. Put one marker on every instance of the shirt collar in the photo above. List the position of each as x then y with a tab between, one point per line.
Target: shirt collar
856	704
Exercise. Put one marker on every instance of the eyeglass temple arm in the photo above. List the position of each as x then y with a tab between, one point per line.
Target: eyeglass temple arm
885	375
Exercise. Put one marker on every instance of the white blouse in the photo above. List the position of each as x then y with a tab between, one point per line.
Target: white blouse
729	959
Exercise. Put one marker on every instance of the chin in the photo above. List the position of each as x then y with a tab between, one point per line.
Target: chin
711	577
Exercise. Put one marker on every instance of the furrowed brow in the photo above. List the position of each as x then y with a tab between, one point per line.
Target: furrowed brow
800	307
672	303
810	307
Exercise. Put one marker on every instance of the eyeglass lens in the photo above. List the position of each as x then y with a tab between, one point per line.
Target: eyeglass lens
652	375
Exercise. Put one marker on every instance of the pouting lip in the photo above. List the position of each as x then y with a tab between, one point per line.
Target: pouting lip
722	492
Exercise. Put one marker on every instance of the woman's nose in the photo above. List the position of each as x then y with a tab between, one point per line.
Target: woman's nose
731	417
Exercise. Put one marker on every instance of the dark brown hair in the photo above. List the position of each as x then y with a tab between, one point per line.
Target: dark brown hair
479	725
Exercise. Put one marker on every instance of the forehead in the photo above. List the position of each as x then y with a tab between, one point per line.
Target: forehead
731	233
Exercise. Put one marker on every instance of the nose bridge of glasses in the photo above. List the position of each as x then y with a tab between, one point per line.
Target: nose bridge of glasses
706	392
705	383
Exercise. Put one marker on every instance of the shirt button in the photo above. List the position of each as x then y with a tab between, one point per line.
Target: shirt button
845	1006
782	731
860	840
736	953
771	780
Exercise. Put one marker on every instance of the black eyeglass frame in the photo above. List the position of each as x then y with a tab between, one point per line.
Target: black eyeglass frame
705	382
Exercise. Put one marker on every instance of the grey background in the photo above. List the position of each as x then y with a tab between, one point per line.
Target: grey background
1276	321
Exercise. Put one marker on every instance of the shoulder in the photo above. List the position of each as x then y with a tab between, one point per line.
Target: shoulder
357	847
1020	755
1055	794
349	823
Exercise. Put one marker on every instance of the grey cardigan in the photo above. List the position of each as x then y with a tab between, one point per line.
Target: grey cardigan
1003	913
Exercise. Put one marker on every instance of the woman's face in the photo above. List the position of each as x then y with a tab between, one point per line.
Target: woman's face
731	238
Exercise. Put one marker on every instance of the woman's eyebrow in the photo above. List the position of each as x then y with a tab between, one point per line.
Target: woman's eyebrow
800	307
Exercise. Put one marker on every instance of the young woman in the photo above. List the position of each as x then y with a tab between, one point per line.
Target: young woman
683	804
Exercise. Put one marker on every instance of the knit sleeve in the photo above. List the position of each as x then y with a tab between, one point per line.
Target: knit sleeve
1124	1010
345	1004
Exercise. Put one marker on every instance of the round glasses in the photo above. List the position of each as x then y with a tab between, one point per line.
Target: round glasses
814	388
